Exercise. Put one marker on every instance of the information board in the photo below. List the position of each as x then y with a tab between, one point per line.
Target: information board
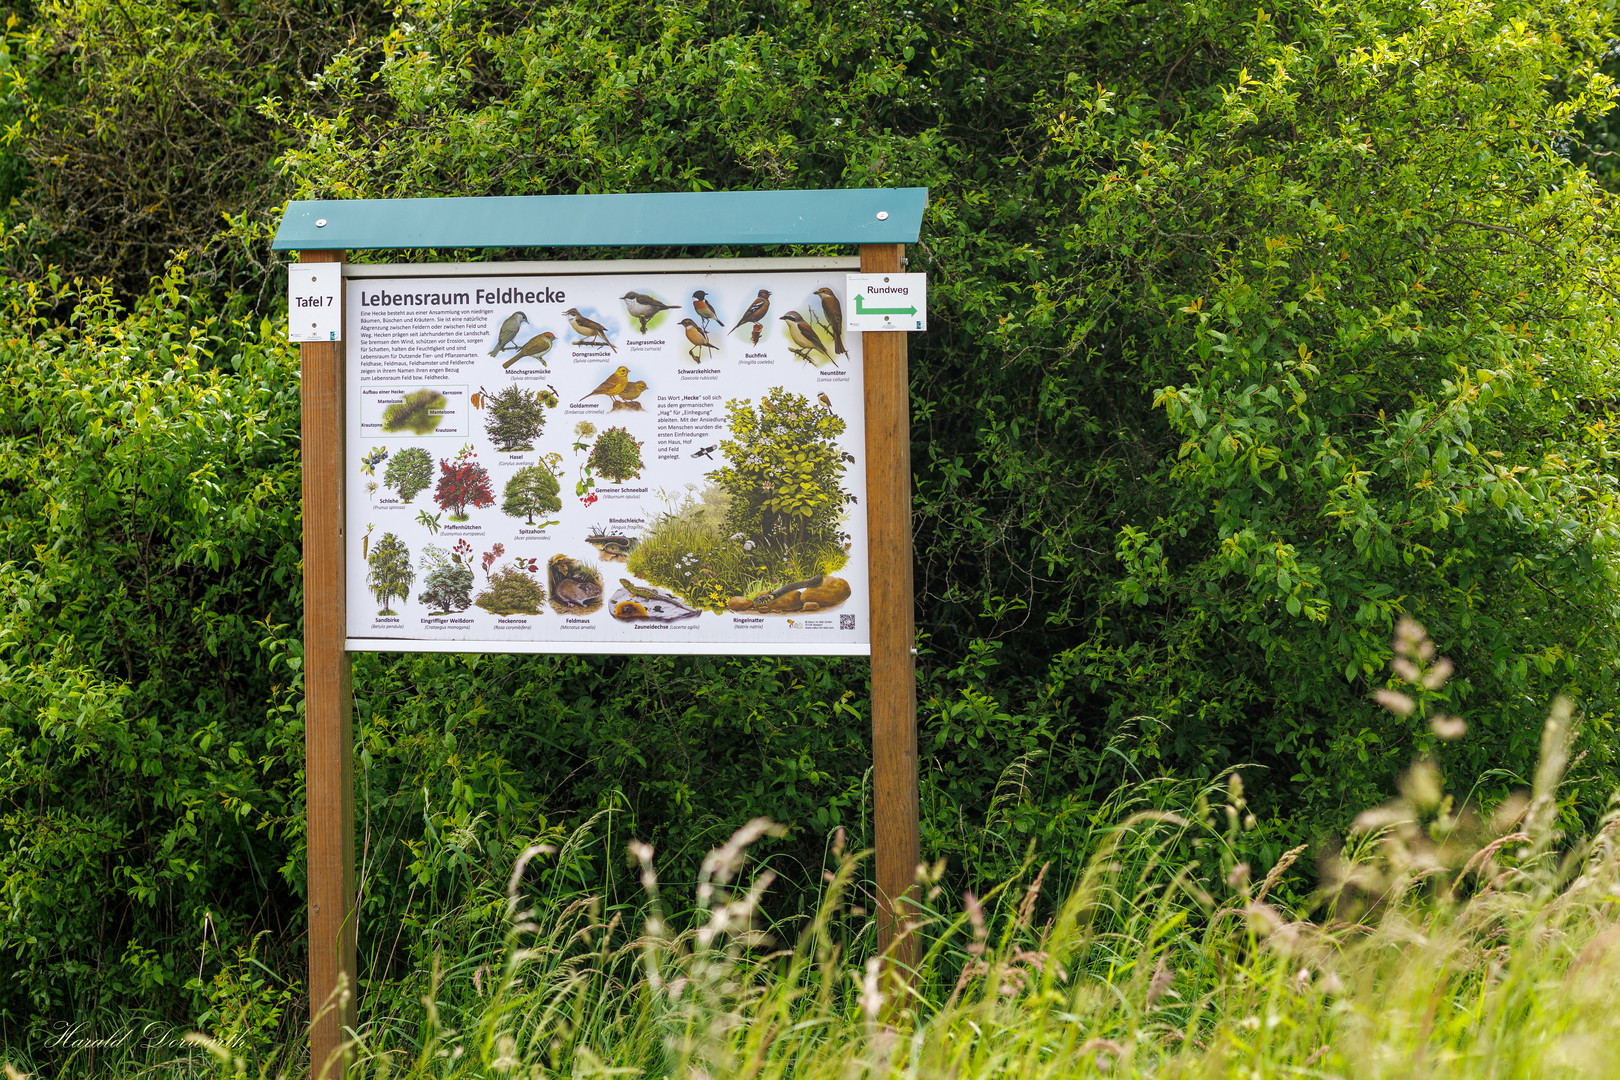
627	462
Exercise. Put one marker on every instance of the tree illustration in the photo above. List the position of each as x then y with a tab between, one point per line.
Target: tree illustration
390	573
617	455
463	482
532	490
517	417
783	468
410	472
446	583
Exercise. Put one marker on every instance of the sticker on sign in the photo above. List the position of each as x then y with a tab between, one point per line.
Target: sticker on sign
886	301
313	311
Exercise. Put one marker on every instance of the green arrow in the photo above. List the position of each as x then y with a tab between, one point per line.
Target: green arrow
859	310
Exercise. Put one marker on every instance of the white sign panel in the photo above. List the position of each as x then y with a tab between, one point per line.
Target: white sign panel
631	463
313	313
886	302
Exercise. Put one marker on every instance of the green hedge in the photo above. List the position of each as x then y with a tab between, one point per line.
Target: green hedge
1252	330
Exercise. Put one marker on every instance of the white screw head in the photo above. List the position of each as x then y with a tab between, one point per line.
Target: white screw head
320	223
883	215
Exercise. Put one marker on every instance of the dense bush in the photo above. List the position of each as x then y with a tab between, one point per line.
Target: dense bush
140	127
616	455
1250	332
1252	329
150	745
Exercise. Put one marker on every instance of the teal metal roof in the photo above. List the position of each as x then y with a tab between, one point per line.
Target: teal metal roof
663	219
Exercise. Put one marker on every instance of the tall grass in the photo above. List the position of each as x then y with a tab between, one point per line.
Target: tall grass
1443	941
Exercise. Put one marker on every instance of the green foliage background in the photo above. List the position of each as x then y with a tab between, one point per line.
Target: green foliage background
1252	329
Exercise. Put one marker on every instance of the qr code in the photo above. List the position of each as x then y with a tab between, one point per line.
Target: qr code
846	622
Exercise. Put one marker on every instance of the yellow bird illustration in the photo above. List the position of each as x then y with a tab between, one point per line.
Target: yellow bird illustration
612	386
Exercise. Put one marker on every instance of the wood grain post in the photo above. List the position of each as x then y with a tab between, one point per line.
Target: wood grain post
894	684
328	722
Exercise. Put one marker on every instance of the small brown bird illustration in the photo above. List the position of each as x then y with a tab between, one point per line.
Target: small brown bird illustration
834	311
756	311
509	330
588	329
612	385
536	347
805	337
705	310
643	307
826	402
632	390
699	340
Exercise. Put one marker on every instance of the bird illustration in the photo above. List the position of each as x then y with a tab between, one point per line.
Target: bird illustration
632	390
588	329
508	333
834	311
643	307
699	340
826	402
705	310
805	337
536	347
756	311
612	385
706	451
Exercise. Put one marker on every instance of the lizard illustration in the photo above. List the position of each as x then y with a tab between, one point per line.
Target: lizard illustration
643	593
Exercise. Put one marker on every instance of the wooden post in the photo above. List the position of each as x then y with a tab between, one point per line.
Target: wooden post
894	684
328	723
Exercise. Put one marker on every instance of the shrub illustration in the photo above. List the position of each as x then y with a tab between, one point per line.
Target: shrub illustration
532	490
390	573
415	412
409	473
512	591
616	455
783	469
516	417
690	550
446	581
463	482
